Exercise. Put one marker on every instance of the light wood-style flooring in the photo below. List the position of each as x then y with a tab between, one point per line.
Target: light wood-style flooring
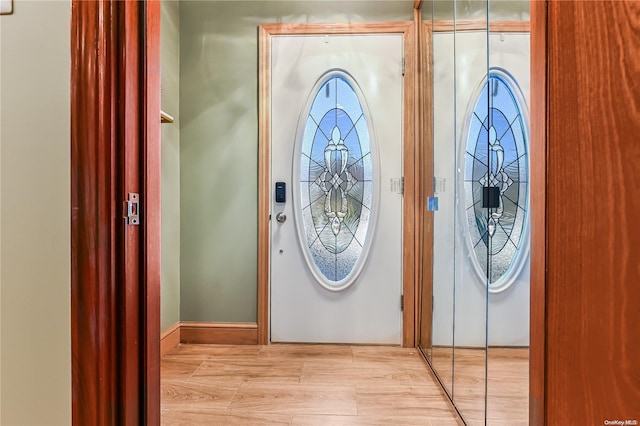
300	385
507	390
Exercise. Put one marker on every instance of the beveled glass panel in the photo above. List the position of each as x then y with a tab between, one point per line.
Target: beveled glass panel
336	181
497	156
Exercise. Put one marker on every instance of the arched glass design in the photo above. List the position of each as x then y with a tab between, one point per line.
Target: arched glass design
335	162
496	164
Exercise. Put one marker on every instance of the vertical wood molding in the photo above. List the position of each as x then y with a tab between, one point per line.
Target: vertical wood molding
114	290
264	180
593	199
128	167
411	178
425	284
419	173
93	185
538	152
447	25
151	204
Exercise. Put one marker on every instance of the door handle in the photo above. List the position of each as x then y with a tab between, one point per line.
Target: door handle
281	217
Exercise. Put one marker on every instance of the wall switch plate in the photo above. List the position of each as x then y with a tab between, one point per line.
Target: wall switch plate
6	7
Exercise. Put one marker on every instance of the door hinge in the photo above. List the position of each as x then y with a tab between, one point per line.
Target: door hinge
132	209
403	66
402	185
402	302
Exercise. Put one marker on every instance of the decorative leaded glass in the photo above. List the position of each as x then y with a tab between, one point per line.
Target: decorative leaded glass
335	180
497	157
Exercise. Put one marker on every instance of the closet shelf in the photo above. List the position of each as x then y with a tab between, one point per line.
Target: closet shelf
165	118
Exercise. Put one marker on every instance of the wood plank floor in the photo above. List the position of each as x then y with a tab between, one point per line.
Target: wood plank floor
300	385
507	388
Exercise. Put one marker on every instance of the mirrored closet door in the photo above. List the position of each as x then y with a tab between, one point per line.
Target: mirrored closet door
477	85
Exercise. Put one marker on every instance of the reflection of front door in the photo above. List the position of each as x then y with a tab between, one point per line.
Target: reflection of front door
336	230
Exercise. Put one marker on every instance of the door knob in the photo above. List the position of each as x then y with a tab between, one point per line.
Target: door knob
281	217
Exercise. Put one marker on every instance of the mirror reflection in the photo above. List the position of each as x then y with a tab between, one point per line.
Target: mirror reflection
479	83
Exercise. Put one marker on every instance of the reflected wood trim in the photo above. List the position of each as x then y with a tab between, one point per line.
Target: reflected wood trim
264	181
219	333
169	339
417	4
538	152
447	25
425	283
419	213
407	29
411	170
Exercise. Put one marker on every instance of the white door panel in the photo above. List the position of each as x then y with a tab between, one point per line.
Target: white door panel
509	311
301	309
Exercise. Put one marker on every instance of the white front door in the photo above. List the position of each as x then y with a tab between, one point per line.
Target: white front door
336	164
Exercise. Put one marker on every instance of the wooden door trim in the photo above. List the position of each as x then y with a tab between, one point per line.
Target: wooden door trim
351	28
538	152
407	29
425	281
114	267
448	25
93	235
264	181
152	206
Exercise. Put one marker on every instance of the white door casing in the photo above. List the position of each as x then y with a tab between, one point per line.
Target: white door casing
301	309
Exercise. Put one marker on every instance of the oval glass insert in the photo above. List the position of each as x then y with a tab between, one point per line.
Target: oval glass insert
496	166
335	177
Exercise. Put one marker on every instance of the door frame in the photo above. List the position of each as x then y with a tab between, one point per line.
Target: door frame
411	162
115	267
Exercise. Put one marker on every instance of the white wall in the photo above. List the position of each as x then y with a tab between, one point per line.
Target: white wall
35	315
509	310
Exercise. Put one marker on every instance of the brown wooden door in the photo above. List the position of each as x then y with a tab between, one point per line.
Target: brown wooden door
115	265
593	199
